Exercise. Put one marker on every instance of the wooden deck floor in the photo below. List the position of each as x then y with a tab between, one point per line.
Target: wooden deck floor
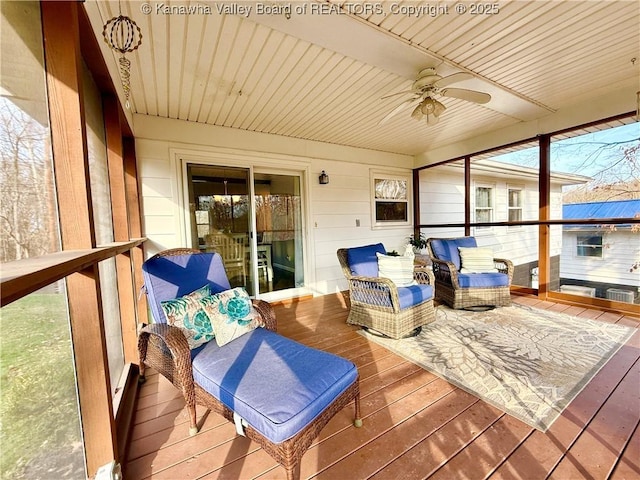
416	425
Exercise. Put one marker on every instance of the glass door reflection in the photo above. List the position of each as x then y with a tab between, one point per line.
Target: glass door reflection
278	207
220	218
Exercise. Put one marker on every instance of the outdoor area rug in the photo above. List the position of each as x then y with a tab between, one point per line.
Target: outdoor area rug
527	362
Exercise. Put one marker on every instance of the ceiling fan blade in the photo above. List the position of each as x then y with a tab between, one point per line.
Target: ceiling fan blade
468	95
398	109
456	77
397	93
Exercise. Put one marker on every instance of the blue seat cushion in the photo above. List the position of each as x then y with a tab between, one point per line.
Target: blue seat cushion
414	295
447	248
276	384
483	280
166	278
363	260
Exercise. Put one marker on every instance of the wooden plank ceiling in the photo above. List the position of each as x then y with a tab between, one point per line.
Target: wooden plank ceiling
322	76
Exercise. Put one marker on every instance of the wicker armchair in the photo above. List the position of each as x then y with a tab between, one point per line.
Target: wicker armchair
468	290
278	392
377	303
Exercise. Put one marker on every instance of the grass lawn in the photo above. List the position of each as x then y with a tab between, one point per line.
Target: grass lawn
40	427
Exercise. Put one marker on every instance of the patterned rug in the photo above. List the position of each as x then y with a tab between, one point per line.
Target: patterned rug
527	362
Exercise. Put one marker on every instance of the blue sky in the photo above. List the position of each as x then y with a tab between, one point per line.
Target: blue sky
587	154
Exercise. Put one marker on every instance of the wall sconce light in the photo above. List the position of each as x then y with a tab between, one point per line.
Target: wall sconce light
323	178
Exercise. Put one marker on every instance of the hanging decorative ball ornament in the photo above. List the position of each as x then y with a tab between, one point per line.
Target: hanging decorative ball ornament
123	35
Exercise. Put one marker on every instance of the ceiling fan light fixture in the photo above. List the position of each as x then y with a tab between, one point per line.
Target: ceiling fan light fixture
428	106
438	108
417	112
432	119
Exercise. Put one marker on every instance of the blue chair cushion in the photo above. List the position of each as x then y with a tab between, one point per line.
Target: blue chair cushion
414	295
483	280
276	384
171	277
447	249
363	260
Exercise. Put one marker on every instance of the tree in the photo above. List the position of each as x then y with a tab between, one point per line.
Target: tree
28	220
617	177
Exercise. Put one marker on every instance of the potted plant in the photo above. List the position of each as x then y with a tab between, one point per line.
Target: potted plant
419	242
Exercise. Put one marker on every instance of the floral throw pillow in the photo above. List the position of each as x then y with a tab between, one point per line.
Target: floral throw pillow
231	314
187	314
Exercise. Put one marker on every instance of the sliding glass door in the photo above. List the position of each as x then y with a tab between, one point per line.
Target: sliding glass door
278	206
253	220
220	209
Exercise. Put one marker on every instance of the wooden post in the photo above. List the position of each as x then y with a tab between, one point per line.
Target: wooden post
544	202
69	144
126	289
416	203
467	196
135	223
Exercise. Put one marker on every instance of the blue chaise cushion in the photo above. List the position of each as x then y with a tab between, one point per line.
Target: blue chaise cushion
414	295
447	248
171	277
276	384
363	260
483	280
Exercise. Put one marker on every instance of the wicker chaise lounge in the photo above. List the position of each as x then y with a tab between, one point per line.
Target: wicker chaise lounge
459	288
278	392
377	302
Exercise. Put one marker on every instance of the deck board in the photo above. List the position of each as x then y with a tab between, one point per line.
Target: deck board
416	425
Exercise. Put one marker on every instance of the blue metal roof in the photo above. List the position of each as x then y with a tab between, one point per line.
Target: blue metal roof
618	209
595	210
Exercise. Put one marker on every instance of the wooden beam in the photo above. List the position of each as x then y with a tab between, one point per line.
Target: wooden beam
60	26
135	222
544	214
416	203
117	187
25	276
113	134
467	196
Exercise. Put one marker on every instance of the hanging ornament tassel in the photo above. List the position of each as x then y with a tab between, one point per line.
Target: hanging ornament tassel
125	76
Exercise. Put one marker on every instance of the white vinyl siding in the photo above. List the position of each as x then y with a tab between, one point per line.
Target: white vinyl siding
332	213
620	250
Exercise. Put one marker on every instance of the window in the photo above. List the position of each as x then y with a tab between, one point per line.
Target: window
40	428
589	246
484	205
515	204
391	194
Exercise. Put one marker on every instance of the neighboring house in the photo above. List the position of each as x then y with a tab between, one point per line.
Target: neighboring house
500	192
599	260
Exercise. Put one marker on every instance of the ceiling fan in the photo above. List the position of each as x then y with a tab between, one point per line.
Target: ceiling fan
429	85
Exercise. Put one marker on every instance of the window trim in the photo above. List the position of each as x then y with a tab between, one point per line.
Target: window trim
586	245
479	230
521	189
